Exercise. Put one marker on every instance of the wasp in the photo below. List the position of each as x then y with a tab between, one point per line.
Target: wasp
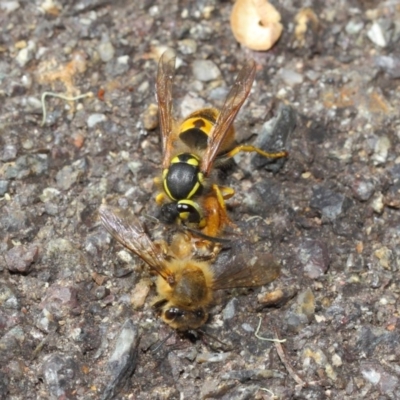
191	149
185	283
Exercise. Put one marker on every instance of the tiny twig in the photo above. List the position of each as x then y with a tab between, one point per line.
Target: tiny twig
286	362
268	391
266	339
60	96
253	217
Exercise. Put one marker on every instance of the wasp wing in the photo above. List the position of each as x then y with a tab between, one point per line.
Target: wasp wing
129	231
165	77
245	269
233	103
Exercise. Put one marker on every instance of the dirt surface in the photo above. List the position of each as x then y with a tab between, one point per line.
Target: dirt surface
76	320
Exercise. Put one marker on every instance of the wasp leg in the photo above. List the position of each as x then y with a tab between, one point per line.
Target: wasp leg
250	149
161	198
215	210
225	191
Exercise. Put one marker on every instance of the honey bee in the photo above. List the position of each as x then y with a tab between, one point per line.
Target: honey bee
191	149
185	285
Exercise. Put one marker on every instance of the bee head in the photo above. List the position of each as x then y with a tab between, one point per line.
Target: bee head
184	320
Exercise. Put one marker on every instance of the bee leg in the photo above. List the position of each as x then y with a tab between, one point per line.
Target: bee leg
181	245
250	149
162	247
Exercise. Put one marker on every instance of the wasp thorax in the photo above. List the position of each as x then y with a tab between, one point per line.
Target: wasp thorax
183	179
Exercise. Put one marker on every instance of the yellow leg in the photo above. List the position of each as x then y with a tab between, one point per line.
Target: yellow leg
223	193
161	198
226	192
251	149
220	197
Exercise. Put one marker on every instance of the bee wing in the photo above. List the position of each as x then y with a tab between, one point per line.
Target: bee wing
233	103
165	77
129	231
256	271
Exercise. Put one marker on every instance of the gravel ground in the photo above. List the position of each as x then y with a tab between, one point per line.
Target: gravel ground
75	307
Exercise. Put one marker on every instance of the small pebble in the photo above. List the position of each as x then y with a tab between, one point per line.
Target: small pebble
8	298
330	203
381	150
9	6
230	309
34	103
69	174
139	293
385	257
26	81
143	87
306	303
377	203
354	27
314	256
122	361
377	34
8	153
123	59
363	188
290	77
191	103
58	371
20	258
27	144
26	54
95	119
390	64
150	117
49	194
187	46
212	357
106	51
3	187
205	70
247	327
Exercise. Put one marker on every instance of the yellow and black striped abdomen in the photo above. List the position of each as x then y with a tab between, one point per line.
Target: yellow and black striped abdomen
195	129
